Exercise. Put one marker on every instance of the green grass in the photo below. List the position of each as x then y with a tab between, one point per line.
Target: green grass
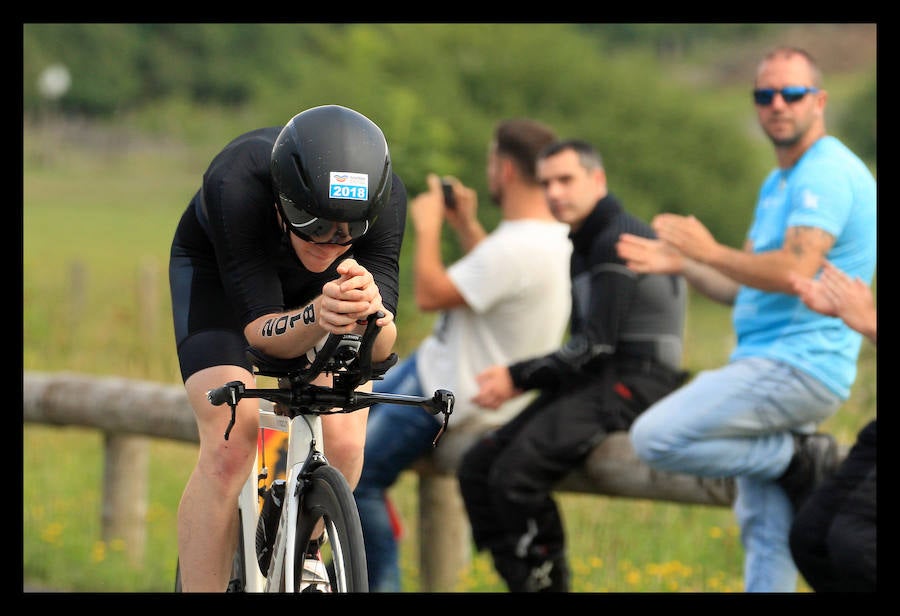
97	223
616	545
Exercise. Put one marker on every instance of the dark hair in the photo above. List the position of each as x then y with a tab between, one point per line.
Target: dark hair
520	140
588	156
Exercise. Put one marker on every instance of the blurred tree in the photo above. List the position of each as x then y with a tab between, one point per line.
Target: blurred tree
436	90
101	59
858	124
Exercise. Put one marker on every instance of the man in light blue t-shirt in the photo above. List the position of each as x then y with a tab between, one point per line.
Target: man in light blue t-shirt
755	418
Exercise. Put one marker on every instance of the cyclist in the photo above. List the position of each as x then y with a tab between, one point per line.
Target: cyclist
295	233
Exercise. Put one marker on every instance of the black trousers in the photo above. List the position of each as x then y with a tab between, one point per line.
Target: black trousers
507	476
833	537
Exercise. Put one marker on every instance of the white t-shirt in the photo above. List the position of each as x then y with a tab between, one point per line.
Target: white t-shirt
517	290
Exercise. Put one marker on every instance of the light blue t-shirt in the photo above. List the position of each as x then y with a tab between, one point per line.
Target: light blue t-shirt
832	189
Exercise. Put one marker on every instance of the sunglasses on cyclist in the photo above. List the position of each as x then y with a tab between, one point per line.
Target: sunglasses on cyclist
321	231
317	230
790	94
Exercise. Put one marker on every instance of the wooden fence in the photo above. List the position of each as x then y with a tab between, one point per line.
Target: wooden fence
129	412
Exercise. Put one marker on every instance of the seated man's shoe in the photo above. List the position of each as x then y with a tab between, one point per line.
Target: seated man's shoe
551	575
536	572
815	458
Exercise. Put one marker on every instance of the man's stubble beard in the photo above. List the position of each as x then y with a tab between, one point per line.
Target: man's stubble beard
785	142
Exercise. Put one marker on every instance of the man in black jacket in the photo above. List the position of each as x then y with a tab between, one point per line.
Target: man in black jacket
623	354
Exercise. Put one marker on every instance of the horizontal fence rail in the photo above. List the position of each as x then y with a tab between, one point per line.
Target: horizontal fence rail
128	411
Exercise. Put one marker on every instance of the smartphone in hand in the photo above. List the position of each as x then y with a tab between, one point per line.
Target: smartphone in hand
449	199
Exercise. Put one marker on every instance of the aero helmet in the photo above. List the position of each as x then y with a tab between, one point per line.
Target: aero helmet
331	171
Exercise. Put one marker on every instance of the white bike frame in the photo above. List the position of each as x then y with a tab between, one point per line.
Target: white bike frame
302	431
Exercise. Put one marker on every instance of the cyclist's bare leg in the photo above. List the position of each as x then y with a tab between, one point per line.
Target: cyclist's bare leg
345	439
207	514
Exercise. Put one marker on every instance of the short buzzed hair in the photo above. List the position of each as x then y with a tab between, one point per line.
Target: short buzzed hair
521	140
588	156
786	51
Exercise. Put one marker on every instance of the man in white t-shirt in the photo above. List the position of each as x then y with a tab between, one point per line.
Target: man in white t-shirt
623	353
506	299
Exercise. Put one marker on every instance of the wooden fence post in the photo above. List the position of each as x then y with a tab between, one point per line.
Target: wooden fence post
445	547
125	492
126	458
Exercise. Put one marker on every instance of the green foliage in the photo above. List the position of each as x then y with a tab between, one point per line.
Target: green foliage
436	90
101	57
668	38
858	122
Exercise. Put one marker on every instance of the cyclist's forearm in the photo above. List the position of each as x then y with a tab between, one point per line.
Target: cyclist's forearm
287	334
384	342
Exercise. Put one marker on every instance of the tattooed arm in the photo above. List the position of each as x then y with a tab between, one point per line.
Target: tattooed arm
342	308
803	252
287	334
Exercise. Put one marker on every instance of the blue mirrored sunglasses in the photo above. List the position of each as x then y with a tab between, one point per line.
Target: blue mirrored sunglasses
790	94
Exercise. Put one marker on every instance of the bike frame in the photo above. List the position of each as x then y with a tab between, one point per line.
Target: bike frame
348	358
304	435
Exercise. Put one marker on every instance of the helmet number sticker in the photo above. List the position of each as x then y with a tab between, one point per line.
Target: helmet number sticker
346	185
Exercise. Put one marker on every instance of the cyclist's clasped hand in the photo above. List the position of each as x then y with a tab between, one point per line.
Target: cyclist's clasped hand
351	298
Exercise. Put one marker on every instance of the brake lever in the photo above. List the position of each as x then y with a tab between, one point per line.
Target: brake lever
229	394
446	400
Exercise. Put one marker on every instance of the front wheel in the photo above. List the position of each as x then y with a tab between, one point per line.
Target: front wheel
328	499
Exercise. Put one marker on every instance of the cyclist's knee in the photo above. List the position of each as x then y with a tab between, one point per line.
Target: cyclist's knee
344	449
226	463
345	453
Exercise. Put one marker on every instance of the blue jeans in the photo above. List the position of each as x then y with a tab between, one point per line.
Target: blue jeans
737	421
396	436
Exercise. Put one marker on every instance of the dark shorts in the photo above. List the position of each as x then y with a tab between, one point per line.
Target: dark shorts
207	332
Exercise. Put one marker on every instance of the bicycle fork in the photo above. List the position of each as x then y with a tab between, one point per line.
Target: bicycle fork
304	434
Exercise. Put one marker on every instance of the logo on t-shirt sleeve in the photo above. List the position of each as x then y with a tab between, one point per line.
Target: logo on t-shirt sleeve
809	200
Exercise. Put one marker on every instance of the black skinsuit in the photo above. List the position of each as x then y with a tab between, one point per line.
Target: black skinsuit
623	354
232	262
